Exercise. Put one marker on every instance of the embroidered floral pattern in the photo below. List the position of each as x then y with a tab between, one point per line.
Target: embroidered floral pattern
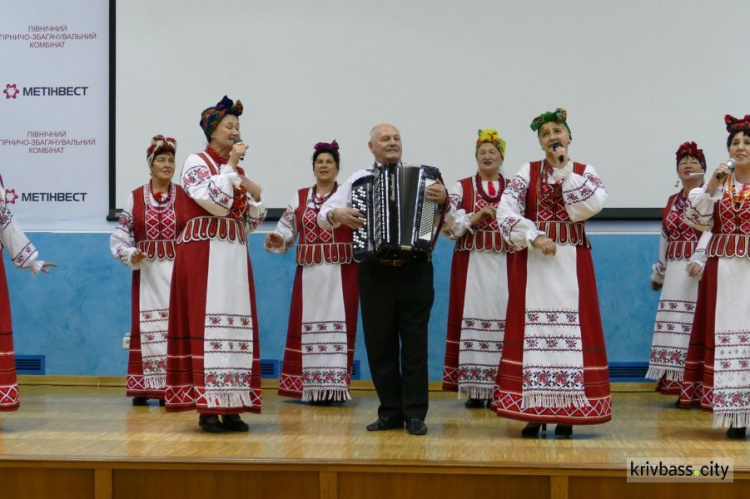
200	174
227	378
5	214
324	359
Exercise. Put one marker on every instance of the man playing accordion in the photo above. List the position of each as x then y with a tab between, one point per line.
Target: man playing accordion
396	296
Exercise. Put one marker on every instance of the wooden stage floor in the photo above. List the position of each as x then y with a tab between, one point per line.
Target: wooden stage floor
120	450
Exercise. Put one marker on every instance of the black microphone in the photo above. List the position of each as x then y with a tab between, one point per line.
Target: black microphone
238	140
561	157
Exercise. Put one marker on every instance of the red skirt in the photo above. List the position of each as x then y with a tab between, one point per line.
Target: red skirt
185	340
291	374
508	392
8	382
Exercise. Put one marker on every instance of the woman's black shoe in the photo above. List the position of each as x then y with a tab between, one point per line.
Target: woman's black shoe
738	433
139	401
233	422
210	423
564	431
532	429
475	404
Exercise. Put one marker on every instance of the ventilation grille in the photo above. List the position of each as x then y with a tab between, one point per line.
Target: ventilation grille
30	364
270	368
628	371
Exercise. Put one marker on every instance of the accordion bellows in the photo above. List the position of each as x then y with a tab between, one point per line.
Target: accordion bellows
399	221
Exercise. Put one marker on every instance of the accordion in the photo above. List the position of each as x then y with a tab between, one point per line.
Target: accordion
399	221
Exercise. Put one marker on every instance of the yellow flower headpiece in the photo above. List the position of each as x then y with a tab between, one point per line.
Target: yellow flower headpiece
491	136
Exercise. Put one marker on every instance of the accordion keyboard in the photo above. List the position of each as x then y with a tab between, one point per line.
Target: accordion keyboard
359	202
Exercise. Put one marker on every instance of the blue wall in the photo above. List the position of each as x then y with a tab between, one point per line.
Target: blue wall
76	315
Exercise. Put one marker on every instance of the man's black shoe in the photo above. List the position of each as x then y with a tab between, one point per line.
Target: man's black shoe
386	423
416	427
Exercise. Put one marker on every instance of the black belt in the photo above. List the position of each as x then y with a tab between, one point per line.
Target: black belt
394	263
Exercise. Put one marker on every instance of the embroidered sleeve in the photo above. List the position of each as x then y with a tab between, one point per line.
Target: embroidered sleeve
660	267
215	193
699	255
700	211
122	242
457	221
287	227
339	199
584	195
255	213
518	232
20	250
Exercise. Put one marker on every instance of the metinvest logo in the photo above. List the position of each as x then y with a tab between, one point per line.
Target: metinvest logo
11	196
12	91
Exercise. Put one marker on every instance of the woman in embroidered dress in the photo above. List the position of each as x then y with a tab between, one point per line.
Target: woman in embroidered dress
213	355
554	364
144	241
674	318
323	317
479	277
24	255
717	369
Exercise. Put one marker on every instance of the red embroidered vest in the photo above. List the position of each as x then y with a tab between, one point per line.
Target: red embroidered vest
487	236
545	206
318	245
681	238
156	228
731	231
202	225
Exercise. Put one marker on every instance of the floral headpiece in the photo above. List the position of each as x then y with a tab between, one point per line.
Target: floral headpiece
211	116
691	149
491	136
332	149
559	115
160	144
737	125
325	146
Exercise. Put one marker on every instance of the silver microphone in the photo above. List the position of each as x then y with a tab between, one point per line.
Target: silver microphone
730	163
238	140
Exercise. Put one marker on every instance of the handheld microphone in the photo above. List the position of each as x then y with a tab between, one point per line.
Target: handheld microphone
561	157
730	163
238	140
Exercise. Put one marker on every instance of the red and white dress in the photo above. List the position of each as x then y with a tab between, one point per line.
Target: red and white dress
674	318
213	355
717	370
478	290
554	363
24	255
323	317
150	223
